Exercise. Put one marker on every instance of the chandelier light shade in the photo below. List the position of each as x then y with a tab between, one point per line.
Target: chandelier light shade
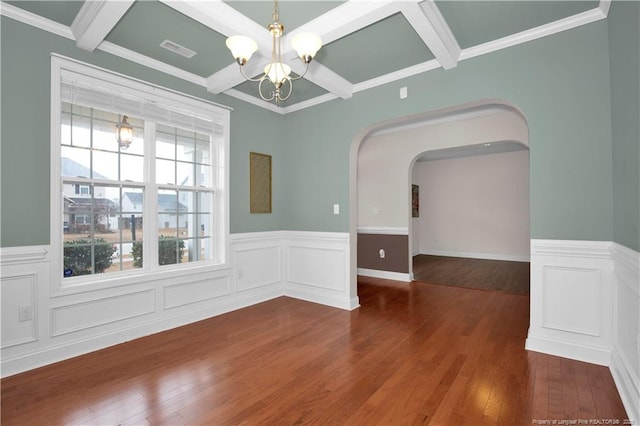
124	133
276	72
307	45
241	48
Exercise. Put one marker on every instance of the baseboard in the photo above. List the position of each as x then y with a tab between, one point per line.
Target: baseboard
628	386
472	255
323	299
51	354
565	349
387	275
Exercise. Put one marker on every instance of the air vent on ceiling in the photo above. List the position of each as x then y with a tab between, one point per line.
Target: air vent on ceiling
176	48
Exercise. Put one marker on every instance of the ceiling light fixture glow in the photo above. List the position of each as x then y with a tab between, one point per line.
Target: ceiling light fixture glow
276	72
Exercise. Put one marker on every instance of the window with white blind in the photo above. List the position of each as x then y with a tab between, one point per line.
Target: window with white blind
161	203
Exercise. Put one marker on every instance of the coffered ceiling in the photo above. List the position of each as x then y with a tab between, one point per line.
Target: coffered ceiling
367	43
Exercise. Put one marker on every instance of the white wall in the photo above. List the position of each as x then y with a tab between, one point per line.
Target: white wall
475	206
384	160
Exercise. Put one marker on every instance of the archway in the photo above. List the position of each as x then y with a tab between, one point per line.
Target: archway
493	122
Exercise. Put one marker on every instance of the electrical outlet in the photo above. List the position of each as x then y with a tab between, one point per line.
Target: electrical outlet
382	253
336	209
25	313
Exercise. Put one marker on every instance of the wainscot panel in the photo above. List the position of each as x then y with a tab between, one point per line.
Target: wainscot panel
571	299
257	259
317	268
182	294
94	313
625	362
24	270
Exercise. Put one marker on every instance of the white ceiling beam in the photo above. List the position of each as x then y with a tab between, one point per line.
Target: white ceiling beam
428	23
223	19
230	75
95	20
322	76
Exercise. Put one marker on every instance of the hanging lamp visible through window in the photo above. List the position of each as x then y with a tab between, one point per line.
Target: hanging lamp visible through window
124	133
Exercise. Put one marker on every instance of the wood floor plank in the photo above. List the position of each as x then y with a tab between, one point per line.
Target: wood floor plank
413	353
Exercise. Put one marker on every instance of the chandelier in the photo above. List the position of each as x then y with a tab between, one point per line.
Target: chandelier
276	78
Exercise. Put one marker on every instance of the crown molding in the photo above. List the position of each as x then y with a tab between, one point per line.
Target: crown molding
34	20
309	103
138	58
551	28
604	7
396	75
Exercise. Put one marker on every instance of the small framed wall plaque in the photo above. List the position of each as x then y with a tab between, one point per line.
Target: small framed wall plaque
259	183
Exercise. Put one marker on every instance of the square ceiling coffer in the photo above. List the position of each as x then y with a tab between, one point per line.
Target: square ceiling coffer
176	48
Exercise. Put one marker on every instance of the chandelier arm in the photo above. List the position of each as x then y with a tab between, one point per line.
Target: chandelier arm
301	75
288	80
249	78
264	98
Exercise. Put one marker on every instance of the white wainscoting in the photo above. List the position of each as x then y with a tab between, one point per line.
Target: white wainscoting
20	288
625	362
585	305
313	266
318	268
571	299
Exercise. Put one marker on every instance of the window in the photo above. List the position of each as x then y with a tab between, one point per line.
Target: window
161	203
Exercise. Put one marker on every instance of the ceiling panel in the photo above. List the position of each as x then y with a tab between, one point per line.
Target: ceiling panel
62	12
477	22
292	13
386	46
147	23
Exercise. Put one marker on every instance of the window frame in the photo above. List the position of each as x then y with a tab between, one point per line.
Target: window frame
151	271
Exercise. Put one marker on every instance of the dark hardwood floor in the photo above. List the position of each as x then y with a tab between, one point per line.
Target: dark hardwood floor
412	354
494	275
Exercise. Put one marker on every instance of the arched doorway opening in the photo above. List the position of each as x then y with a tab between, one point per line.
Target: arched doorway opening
380	196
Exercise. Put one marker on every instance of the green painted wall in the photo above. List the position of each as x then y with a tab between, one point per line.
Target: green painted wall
561	83
25	88
624	51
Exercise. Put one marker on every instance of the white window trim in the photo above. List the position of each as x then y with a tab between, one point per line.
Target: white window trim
146	274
